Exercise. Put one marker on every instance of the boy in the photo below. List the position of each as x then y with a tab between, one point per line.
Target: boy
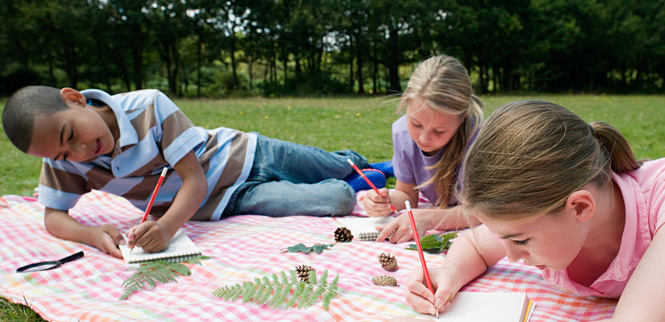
119	144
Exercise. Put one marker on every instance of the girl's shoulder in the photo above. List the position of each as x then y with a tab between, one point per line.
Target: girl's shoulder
650	171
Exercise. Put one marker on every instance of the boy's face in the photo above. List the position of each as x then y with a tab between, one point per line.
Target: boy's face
77	134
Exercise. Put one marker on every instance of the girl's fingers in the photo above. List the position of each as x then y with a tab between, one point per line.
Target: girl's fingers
420	304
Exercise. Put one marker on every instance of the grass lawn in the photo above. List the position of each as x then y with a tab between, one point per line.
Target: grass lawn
362	124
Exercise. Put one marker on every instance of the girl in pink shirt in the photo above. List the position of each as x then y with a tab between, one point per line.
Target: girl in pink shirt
566	197
442	116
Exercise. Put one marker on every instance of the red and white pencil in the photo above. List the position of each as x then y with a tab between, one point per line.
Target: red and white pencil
420	250
152	198
368	181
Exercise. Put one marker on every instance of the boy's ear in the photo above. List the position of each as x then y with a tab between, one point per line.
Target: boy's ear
72	96
582	204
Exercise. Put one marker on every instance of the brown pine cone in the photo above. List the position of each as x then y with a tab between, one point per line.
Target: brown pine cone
384	280
303	272
343	235
388	262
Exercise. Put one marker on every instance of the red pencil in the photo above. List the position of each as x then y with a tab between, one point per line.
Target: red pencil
154	194
420	250
367	180
152	198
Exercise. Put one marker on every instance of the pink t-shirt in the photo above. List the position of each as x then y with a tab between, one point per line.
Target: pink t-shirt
643	193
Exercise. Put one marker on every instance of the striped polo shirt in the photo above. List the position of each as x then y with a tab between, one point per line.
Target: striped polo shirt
154	133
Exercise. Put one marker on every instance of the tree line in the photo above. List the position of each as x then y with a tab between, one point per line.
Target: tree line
279	47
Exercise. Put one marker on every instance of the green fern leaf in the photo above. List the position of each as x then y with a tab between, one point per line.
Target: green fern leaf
324	278
306	293
326	300
283	290
333	285
155	272
285	279
319	291
311	279
296	294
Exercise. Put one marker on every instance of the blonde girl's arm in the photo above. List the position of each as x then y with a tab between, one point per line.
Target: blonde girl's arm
378	204
400	228
644	295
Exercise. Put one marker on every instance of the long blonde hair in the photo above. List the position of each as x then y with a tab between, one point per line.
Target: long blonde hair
444	85
530	156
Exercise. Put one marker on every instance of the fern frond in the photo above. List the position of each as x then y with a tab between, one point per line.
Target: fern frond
282	291
306	293
324	278
311	279
296	294
155	272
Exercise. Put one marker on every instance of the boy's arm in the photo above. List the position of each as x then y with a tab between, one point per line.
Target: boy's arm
643	297
155	236
105	237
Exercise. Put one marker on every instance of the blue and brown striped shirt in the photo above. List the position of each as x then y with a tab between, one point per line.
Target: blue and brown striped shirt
154	133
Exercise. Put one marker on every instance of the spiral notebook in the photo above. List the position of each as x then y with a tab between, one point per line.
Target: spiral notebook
363	228
180	248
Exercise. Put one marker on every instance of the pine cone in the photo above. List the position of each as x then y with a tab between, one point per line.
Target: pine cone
384	280
343	234
388	262
303	272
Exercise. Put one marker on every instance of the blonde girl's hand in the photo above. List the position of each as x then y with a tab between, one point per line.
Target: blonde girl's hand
107	238
377	204
150	236
401	230
421	299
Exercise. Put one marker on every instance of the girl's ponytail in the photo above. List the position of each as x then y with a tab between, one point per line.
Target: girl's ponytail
617	150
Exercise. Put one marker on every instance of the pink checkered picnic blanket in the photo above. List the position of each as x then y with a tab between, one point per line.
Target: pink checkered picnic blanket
242	248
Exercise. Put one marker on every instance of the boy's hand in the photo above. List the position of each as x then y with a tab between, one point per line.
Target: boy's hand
421	299
401	230
377	205
107	239
150	236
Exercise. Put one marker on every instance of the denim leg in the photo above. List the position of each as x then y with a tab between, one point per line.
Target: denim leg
330	197
280	160
289	179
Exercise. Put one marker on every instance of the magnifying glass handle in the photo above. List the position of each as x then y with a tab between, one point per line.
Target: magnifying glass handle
71	257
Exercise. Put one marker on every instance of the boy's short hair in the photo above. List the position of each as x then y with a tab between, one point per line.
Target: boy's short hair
23	107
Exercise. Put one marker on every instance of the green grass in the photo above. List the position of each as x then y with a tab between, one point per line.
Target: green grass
361	124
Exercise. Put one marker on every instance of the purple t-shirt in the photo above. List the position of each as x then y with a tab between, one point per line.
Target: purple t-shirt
409	162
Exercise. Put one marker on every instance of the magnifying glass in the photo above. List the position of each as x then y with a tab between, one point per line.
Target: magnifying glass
43	266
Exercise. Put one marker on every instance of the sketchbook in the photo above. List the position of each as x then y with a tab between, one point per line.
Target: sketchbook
363	228
487	306
180	248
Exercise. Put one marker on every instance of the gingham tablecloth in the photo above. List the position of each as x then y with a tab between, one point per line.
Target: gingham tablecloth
242	248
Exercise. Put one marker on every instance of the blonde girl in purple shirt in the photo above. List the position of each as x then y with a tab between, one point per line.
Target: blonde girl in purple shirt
429	141
564	196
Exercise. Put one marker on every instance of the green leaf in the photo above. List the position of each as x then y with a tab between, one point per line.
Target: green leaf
156	272
435	243
277	291
318	248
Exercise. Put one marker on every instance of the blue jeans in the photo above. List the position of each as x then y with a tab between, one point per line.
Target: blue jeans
289	179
